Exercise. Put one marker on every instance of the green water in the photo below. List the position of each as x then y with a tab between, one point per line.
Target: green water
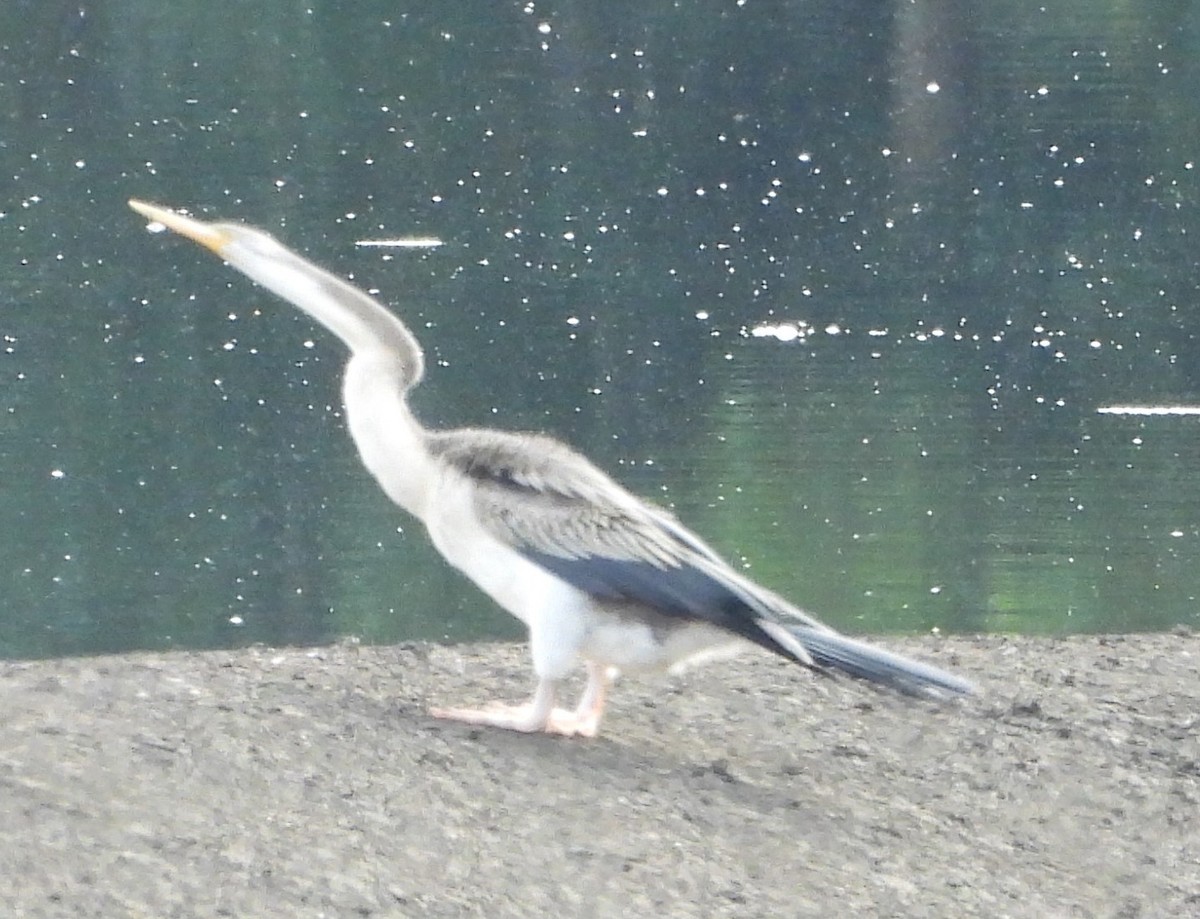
844	285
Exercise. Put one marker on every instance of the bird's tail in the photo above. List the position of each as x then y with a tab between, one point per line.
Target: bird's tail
858	659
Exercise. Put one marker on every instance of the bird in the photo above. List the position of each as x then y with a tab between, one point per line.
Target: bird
600	577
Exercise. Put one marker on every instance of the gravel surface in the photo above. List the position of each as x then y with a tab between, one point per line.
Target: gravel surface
310	782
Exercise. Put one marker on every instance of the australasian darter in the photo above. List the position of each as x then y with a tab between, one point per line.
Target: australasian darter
598	576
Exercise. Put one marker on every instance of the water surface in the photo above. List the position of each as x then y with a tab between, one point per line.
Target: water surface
847	288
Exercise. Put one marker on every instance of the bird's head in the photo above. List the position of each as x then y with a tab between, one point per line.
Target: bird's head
243	247
254	252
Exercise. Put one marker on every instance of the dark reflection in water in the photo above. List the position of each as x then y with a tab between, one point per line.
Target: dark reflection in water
844	287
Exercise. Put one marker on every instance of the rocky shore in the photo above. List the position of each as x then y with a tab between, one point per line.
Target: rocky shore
310	782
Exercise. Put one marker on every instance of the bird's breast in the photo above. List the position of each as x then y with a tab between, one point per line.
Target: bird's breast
522	587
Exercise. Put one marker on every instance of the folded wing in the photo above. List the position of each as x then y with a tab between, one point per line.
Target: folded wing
561	512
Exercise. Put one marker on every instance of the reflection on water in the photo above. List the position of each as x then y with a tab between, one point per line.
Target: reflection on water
894	306
1149	410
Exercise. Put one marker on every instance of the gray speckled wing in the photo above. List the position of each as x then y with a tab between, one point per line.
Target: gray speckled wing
561	512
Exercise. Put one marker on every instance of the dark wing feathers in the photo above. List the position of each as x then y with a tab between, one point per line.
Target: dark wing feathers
682	592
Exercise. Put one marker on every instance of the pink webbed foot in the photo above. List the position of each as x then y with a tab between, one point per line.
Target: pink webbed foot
540	714
524	718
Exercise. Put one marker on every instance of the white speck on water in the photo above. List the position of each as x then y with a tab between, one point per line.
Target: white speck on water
781	331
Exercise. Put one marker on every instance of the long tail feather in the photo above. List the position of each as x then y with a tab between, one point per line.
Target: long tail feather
866	662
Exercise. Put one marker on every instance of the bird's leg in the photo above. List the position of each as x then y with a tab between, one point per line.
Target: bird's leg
539	714
591	704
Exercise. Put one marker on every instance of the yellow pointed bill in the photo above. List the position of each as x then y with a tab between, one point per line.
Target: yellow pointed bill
206	234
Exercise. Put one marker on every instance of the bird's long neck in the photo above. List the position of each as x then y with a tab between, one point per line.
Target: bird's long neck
365	325
391	442
385	363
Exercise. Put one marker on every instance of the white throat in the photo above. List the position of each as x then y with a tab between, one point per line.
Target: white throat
389	438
